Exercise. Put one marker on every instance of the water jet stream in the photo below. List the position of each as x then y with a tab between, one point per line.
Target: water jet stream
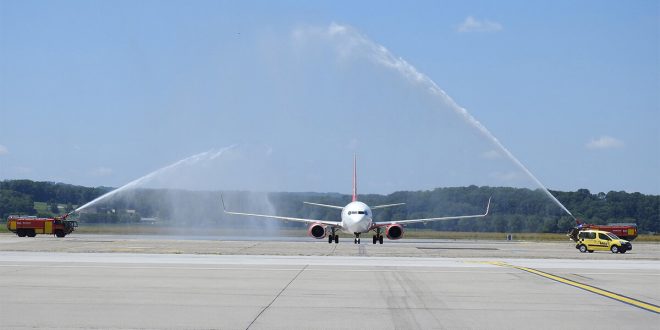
207	155
352	42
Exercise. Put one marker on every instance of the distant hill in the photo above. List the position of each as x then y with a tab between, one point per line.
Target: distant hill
512	210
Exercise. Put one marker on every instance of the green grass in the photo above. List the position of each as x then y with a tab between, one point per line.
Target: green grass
43	208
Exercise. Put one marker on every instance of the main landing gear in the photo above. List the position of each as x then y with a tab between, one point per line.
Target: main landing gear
378	237
333	237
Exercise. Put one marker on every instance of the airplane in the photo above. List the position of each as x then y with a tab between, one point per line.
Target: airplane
356	219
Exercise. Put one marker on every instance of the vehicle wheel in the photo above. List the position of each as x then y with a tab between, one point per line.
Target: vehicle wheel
591	251
336	239
31	233
622	251
20	233
375	239
582	248
60	233
614	249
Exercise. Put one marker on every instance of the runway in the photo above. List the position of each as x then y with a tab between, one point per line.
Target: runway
75	290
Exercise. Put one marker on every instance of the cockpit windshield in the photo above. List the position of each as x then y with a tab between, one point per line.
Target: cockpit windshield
356	212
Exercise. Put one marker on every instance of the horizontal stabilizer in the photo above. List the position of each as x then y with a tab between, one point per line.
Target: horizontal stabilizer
386	205
325	205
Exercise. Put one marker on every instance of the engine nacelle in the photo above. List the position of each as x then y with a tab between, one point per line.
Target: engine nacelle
317	230
394	231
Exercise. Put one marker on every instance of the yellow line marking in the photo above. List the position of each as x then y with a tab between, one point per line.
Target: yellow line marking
634	302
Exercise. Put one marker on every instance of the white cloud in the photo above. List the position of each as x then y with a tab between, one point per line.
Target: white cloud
102	171
352	144
510	176
23	170
604	142
3	150
491	154
472	24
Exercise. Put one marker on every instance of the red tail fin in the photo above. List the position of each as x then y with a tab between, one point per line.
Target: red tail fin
354	177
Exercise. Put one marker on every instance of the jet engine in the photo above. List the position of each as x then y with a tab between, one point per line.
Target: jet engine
394	231
317	230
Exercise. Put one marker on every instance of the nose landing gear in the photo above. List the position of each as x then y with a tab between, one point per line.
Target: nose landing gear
357	238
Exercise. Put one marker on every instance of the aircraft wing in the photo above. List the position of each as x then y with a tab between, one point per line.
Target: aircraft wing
325	222
409	221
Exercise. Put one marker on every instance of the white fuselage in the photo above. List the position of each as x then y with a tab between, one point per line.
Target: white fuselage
356	217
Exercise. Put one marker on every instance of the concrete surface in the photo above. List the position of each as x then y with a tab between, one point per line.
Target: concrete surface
311	247
79	284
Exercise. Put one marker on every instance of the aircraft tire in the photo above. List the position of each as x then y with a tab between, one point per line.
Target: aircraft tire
380	239
375	239
336	239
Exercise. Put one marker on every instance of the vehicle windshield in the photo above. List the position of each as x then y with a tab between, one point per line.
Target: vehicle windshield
612	236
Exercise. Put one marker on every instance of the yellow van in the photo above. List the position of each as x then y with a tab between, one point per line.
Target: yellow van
598	240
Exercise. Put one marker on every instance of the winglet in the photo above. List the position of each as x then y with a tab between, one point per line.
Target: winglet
223	203
488	206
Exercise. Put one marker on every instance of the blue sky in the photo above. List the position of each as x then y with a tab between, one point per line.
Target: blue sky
103	92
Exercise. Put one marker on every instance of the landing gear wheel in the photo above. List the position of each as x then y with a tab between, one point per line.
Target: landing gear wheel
380	239
375	239
614	249
582	248
355	241
336	239
329	238
358	240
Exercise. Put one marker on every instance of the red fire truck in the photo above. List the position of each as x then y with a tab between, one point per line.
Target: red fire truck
30	226
627	231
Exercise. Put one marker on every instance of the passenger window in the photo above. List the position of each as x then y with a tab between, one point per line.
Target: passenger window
603	237
592	235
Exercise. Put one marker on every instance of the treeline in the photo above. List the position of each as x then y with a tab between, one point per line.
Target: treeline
18	196
512	209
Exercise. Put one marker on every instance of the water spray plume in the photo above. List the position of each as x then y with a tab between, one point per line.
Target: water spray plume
207	155
351	42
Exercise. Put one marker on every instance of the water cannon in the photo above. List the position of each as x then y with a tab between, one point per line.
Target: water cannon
66	215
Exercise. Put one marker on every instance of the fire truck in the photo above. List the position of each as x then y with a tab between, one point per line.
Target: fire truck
627	231
30	226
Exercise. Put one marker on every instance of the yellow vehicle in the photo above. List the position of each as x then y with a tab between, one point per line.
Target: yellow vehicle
598	240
